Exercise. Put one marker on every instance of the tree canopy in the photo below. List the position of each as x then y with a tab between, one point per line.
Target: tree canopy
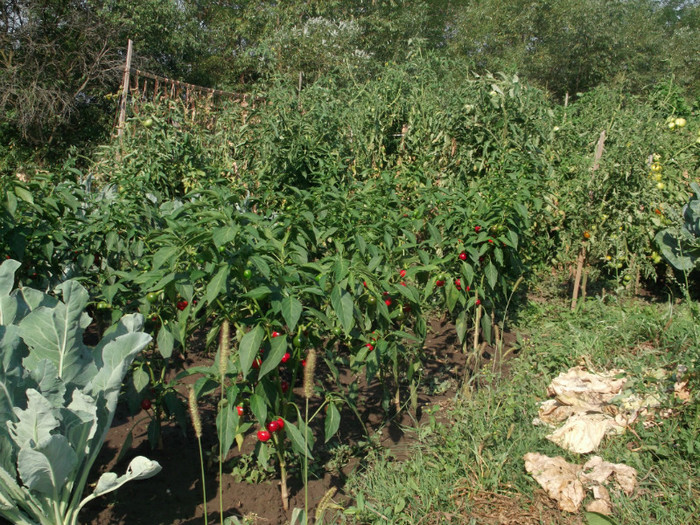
58	58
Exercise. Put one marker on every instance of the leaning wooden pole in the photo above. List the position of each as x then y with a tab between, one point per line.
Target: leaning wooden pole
125	90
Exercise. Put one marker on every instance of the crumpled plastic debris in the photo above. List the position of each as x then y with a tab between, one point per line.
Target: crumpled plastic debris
681	391
567	483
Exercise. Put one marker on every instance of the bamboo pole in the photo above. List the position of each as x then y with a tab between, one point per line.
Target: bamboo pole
125	89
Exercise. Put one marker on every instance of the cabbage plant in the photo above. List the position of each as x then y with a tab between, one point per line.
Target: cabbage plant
57	401
681	246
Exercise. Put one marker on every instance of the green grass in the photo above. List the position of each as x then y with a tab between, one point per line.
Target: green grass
480	451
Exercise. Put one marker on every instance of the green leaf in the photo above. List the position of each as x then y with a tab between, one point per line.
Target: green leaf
164	255
297	439
522	211
461	325
36	422
7	279
594	518
224	235
47	468
11	203
409	292
259	408
372	360
332	422
298	517
491	274
261	292
141	379
114	355
513	238
153	432
498	255
217	283
486	327
291	311
56	334
678	251
343	306
374	262
278	347
226	425
24	194
139	468
249	347
48	383
451	295
468	273
166	342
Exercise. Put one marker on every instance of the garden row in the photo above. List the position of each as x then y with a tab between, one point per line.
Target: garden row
335	219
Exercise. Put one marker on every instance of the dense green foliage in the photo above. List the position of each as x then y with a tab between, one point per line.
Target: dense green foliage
60	59
348	213
378	175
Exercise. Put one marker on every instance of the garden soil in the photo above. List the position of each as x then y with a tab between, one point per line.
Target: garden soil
174	496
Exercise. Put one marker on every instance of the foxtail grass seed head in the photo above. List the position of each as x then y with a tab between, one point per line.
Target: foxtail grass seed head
309	372
224	348
194	413
325	502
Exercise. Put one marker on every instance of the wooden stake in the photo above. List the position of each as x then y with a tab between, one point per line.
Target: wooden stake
577	278
301	76
476	328
125	89
582	254
473	359
598	151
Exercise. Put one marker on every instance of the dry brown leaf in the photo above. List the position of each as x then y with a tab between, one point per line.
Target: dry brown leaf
582	433
600	506
596	470
567	483
680	390
596	386
558	478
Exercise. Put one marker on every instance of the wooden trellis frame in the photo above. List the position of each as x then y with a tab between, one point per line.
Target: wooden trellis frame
148	85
